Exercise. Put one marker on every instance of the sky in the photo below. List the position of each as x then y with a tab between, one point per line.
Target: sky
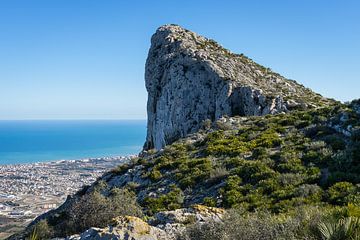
85	59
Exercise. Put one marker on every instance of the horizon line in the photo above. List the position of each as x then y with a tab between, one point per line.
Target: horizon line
75	119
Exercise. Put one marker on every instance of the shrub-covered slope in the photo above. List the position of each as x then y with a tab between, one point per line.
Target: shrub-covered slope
273	163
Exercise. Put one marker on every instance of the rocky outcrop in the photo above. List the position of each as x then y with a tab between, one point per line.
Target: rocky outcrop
190	78
165	225
122	228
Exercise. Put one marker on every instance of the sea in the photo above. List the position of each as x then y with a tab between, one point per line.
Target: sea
30	141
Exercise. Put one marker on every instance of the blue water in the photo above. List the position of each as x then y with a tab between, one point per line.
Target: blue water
38	141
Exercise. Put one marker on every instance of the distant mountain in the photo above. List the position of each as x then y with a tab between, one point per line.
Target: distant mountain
233	151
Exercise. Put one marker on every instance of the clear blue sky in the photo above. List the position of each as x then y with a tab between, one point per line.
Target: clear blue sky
84	59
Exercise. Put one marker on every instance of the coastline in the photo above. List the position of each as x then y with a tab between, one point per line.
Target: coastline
30	189
83	160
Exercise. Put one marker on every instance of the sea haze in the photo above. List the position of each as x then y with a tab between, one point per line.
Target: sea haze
46	140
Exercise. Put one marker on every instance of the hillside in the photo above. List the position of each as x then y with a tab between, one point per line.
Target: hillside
284	167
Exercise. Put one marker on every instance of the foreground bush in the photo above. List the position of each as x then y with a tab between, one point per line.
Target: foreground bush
94	209
257	226
344	228
97	210
41	230
309	223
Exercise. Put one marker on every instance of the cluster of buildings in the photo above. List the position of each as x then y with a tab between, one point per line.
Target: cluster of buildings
28	190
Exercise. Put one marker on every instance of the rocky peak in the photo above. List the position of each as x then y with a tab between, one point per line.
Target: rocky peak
190	78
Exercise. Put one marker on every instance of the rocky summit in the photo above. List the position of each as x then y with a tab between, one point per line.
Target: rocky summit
190	78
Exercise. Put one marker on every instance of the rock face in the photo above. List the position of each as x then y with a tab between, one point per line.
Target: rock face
190	78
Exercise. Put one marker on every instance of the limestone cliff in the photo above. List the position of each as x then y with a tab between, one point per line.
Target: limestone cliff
190	78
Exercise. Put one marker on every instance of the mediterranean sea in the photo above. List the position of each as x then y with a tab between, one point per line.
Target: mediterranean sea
29	141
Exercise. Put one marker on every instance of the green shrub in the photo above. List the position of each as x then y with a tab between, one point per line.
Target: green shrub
209	201
169	201
232	191
41	231
97	210
232	198
260	152
192	171
187	181
155	174
218	173
341	193
312	191
254	171
342	229
121	169
293	165
238	225
268	139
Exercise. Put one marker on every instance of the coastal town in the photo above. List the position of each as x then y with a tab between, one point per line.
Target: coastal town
28	190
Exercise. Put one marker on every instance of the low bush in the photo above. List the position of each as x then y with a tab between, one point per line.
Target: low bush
41	231
238	225
342	193
344	228
96	210
169	201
